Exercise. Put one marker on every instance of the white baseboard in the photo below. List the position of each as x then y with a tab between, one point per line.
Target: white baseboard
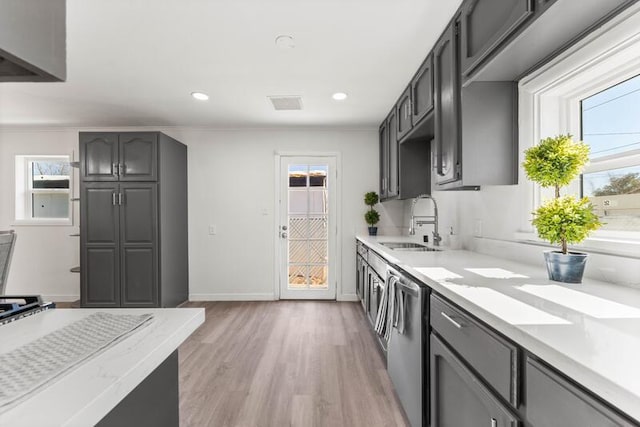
348	297
231	297
60	298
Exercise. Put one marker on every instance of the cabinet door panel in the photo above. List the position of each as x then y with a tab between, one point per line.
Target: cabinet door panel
383	134
446	106
139	277
139	207
403	114
139	156
393	182
138	234
100	272
99	245
99	220
485	24
552	401
422	91
458	398
98	156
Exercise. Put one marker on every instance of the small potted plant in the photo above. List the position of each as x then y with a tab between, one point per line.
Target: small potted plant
555	162
371	216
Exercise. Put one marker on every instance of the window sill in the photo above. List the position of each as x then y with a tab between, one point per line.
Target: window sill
42	222
605	244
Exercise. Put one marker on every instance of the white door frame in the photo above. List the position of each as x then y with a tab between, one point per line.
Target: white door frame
338	216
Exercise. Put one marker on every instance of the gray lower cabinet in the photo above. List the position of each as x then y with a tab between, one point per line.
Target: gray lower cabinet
133	234
459	398
119	232
553	401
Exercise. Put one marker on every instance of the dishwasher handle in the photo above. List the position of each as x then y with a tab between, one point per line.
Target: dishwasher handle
409	288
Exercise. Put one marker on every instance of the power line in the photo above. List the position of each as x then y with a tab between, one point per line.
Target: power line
611	100
612	133
615	148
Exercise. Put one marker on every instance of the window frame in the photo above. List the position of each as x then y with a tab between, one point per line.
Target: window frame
549	104
23	187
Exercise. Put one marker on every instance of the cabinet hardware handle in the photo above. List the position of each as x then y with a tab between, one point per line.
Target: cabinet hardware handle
120	198
115	167
446	316
113	199
122	169
494	422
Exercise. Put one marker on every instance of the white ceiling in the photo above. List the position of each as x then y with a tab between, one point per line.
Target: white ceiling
135	62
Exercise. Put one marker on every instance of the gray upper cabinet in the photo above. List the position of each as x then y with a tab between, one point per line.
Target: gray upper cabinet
553	401
485	25
99	156
459	398
123	222
422	91
383	136
110	156
446	106
392	187
138	156
404	116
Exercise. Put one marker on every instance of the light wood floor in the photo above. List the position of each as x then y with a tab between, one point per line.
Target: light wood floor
285	363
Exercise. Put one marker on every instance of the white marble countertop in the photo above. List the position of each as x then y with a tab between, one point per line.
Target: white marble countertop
589	331
83	396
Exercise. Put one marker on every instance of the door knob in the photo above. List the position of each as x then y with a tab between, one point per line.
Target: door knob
284	228
284	235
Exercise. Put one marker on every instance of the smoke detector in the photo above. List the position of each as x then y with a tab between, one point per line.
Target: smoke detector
285	42
286	103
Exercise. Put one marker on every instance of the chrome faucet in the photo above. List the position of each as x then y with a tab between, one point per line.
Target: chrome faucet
429	219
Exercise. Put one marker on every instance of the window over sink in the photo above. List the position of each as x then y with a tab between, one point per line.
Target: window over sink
592	91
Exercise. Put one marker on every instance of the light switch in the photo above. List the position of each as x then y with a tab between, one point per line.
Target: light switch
212	230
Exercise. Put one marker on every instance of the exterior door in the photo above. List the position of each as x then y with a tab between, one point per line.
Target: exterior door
307	227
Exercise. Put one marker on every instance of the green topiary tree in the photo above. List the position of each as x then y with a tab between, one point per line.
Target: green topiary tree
371	216
555	162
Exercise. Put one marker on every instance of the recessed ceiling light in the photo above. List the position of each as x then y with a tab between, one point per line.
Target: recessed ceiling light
339	96
200	96
285	42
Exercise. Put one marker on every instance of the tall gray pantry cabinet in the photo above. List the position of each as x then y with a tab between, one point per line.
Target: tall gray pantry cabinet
133	220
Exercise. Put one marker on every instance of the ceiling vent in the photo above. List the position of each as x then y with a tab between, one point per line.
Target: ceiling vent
286	103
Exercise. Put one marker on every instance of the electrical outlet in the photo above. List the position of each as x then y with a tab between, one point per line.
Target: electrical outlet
477	228
213	230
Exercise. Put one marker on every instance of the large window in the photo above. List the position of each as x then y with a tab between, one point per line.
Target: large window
43	189
610	124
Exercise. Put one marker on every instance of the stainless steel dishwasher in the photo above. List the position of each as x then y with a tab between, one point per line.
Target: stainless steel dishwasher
406	352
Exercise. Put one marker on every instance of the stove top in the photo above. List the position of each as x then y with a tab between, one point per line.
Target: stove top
14	307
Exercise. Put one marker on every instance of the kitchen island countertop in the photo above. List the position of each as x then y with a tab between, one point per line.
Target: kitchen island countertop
85	394
588	331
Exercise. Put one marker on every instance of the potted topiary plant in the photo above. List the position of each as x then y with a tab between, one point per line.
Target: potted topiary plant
371	216
555	162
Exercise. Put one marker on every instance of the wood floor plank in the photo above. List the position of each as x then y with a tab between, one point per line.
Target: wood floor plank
285	363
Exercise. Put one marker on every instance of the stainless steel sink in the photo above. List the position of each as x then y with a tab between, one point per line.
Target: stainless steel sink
408	246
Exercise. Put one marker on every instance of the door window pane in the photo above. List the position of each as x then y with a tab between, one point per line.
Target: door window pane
308	215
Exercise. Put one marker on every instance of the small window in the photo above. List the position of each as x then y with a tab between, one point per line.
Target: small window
43	189
611	127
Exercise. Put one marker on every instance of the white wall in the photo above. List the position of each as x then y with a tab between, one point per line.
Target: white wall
231	184
43	255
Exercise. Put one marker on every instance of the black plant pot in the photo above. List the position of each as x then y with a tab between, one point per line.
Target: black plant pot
567	268
373	231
